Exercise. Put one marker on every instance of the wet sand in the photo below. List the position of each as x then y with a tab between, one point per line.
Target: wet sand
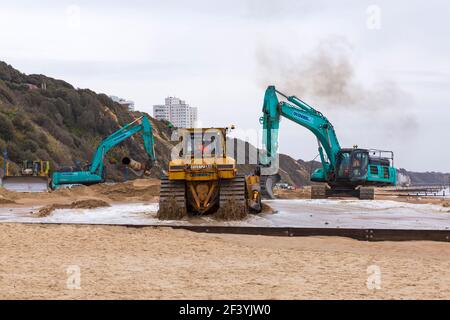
381	214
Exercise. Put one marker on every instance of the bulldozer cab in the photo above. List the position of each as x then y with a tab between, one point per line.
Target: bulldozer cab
202	156
35	168
203	143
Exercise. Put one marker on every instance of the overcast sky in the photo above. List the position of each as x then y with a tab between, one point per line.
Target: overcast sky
380	71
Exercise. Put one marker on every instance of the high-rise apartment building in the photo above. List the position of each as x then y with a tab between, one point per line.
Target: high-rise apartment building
176	111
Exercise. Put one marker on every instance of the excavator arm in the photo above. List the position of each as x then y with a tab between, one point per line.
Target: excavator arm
95	173
141	124
303	114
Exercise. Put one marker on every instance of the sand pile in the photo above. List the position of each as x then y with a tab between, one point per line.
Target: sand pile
81	204
139	190
6	197
299	193
446	205
232	212
267	209
4	200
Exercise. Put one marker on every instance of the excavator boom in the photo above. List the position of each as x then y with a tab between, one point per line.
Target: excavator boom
301	113
95	173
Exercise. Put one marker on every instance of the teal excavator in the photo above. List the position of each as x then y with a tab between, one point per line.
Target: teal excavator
95	171
344	171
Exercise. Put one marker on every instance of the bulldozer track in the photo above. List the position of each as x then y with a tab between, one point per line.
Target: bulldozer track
367	193
357	234
173	190
233	190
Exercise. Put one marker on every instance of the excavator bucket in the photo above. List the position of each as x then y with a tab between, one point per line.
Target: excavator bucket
25	183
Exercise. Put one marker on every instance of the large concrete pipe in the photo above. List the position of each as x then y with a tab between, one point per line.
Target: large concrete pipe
139	168
133	164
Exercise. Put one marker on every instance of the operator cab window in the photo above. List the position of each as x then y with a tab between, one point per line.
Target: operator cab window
195	145
360	161
344	165
213	143
205	144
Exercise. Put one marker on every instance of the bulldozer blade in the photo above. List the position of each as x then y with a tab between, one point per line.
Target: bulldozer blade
25	184
267	184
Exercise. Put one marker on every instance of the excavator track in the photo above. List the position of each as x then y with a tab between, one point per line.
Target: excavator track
172	195
318	191
233	191
366	193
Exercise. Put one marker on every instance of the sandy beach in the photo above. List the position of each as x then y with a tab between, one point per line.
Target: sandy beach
118	262
36	262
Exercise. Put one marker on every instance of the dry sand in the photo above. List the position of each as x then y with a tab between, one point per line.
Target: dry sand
120	262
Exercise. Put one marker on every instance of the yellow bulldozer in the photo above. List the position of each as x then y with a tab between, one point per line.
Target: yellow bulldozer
32	176
202	179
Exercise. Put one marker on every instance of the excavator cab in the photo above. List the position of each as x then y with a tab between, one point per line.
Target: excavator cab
356	173
357	166
352	165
